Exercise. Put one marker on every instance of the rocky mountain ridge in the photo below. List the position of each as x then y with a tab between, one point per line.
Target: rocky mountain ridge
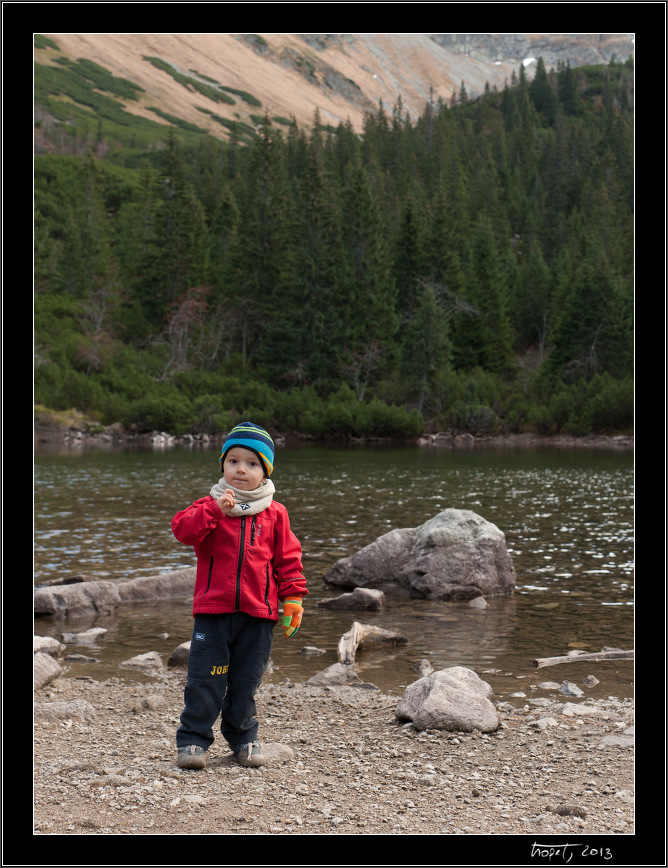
342	76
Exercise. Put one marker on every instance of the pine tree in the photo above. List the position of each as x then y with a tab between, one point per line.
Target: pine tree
176	240
541	92
319	289
266	250
86	250
593	332
410	256
371	315
567	90
532	303
485	339
428	345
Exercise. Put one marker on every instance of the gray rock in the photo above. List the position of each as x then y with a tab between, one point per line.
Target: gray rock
47	645
277	752
180	655
336	674
149	662
543	722
453	699
455	555
154	702
78	708
369	599
478	603
424	667
45	669
175	585
616	741
88	637
93	599
80	658
84	600
571	709
311	651
570	689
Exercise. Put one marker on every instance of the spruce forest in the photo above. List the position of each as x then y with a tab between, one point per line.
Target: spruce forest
471	270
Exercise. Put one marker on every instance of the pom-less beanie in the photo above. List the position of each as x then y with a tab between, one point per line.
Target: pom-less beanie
250	436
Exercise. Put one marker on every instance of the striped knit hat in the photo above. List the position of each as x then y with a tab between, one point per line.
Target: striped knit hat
250	436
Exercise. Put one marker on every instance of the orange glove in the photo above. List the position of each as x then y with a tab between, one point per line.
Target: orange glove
292	616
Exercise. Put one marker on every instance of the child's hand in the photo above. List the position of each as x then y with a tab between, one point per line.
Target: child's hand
226	501
292	616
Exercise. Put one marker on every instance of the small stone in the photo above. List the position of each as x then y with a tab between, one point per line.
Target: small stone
478	603
570	689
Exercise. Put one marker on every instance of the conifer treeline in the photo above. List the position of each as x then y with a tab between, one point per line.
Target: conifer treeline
470	270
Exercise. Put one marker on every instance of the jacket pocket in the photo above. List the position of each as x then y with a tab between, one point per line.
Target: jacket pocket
266	591
208	582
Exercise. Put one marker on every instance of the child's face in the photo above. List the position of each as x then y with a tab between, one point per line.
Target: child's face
243	469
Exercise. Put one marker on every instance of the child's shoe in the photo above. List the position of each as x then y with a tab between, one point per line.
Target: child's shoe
249	755
191	756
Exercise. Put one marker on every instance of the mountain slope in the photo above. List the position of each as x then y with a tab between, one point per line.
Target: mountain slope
342	76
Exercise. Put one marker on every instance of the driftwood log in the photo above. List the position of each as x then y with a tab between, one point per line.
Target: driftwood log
576	658
365	636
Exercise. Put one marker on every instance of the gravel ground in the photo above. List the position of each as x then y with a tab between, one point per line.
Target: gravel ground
340	764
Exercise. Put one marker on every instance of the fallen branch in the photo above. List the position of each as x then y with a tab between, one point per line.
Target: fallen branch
575	658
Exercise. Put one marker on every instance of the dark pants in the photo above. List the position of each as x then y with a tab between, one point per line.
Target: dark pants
228	656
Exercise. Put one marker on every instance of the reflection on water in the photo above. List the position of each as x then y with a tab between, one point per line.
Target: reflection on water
567	516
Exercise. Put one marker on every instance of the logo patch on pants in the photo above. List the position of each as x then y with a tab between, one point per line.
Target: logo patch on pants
219	670
200	636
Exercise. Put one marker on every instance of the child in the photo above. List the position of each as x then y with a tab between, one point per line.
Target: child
247	560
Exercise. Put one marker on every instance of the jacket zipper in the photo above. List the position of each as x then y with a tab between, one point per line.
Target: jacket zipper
253	530
208	584
237	601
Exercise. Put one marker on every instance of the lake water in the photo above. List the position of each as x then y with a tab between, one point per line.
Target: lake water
567	514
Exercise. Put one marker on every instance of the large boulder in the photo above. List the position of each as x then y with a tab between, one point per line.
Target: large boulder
175	585
453	699
456	555
82	600
85	600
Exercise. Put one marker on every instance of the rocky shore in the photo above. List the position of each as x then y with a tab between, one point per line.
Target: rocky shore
340	762
77	433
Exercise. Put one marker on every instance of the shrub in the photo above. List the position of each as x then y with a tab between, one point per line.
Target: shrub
578	423
209	415
563	405
539	419
472	417
171	413
610	403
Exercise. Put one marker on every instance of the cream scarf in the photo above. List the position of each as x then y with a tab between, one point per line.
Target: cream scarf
247	502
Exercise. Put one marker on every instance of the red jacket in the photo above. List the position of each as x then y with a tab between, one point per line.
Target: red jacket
244	564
